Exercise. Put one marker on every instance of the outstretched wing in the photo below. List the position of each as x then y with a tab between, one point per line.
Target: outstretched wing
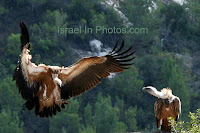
26	72
177	107
86	73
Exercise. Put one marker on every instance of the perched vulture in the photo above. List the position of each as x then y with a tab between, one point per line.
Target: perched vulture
48	88
167	105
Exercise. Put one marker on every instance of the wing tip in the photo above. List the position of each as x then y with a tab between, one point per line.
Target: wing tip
24	34
124	54
119	49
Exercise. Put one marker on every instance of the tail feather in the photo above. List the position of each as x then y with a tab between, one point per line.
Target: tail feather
30	104
47	111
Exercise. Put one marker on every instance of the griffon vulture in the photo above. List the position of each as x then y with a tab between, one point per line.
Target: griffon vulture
167	105
48	88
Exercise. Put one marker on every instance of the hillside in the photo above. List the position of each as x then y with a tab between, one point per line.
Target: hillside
165	38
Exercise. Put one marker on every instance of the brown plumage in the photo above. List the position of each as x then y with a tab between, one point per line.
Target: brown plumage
47	88
167	105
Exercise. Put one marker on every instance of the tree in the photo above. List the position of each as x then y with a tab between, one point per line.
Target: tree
119	127
88	117
10	123
3	11
173	76
106	117
68	120
140	16
88	129
12	51
130	119
47	42
177	29
127	85
10	98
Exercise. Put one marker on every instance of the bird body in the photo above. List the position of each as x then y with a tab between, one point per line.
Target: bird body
167	105
48	88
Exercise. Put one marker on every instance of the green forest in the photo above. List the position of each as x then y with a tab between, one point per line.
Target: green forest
168	55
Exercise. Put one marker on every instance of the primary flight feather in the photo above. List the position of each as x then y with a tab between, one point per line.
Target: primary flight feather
48	88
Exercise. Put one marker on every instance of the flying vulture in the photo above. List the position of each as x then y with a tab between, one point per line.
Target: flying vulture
47	88
167	105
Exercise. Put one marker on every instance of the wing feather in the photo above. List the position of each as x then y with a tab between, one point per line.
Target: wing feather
121	47
177	107
157	110
157	107
24	35
86	73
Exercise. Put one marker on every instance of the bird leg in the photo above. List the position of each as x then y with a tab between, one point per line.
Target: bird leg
45	93
64	101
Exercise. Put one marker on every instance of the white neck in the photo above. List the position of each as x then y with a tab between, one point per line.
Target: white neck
159	94
153	91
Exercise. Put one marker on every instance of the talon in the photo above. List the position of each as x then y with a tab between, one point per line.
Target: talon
64	101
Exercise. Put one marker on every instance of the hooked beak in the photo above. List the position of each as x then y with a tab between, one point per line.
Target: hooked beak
145	89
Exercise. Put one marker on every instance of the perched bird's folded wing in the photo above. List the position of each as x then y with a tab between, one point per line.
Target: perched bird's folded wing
26	73
157	110
157	107
177	106
86	73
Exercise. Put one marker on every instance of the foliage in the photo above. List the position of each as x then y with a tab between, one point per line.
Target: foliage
89	119
68	120
193	126
130	115
127	84
3	11
172	76
12	51
106	116
10	99
88	129
9	122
